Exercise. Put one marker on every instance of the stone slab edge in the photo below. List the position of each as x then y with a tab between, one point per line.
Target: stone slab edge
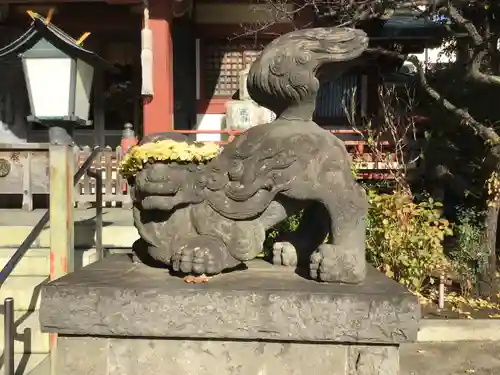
452	330
237	315
115	297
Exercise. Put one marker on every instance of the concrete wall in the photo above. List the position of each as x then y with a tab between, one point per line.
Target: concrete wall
123	356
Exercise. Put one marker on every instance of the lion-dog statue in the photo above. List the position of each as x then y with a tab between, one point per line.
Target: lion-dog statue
203	219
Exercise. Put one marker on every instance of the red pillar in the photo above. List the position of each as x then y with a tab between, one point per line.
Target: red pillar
158	112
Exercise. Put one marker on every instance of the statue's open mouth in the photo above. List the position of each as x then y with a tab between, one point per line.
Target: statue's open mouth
164	203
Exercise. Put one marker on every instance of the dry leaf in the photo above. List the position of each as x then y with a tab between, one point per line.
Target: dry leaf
202	279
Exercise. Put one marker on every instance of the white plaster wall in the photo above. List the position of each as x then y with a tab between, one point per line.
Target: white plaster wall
435	55
209	122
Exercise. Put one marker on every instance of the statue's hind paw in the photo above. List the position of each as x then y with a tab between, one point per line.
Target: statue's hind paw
284	254
199	256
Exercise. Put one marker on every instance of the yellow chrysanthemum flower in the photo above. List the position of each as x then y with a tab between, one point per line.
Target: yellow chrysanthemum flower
167	150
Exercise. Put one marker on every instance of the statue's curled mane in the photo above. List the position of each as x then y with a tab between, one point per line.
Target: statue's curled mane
285	73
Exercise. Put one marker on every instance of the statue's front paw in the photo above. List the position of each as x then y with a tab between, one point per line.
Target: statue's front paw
199	256
284	254
330	263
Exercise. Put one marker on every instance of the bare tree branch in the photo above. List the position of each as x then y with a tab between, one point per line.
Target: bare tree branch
480	50
396	128
476	74
485	132
466	24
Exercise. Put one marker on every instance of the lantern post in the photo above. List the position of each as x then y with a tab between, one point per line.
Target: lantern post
59	73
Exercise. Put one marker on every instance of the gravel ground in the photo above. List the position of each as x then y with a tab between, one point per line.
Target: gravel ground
478	358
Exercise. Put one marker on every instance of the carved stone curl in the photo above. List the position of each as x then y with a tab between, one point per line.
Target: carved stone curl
202	219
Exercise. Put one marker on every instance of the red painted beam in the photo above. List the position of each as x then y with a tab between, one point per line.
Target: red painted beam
158	112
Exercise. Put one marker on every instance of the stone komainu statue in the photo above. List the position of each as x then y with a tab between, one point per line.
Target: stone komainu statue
202	219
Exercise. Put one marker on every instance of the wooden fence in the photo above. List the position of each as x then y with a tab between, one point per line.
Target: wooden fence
115	188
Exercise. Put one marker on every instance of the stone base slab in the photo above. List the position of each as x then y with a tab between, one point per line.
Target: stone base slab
121	356
115	297
116	317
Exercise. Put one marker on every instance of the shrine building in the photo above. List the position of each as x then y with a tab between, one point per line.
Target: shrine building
199	48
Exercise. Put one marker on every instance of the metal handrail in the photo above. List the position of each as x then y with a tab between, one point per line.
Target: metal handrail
9	320
37	229
9	335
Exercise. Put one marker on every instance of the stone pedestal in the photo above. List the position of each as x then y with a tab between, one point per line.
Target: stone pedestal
119	318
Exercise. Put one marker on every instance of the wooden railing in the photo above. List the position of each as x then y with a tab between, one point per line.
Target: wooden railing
115	189
9	316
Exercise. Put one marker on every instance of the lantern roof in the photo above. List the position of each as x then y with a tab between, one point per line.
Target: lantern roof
42	30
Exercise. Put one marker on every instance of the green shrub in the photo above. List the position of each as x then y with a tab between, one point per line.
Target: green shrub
468	253
404	239
288	225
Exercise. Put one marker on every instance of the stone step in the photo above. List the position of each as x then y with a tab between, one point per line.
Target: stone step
24	283
33	364
29	337
114	236
36	261
25	290
24	286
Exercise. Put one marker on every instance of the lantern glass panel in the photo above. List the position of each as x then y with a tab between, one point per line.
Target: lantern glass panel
83	87
49	84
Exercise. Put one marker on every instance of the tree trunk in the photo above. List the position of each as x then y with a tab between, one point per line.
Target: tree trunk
488	285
